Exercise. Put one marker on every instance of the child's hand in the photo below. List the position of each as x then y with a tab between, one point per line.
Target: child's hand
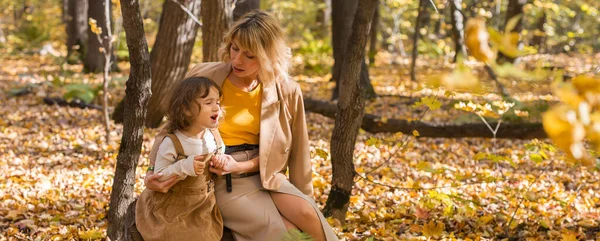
199	164
218	161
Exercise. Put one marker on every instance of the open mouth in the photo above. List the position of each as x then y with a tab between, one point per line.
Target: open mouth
214	117
237	69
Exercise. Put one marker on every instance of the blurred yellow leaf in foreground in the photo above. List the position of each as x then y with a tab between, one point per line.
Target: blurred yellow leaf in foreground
476	40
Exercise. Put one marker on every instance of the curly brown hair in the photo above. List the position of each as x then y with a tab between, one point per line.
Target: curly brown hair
182	101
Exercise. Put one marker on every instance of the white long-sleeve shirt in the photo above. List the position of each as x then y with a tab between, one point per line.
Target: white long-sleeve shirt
166	158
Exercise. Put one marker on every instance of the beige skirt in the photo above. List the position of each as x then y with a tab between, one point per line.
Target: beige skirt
250	212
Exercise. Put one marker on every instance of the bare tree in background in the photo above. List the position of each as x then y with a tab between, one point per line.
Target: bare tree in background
458	29
136	101
170	56
538	34
350	110
94	59
416	36
217	15
515	8
342	16
373	36
76	21
244	6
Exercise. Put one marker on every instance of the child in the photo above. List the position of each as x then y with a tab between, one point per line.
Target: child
188	211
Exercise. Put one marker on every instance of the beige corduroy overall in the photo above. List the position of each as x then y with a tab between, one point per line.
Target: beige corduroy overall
187	211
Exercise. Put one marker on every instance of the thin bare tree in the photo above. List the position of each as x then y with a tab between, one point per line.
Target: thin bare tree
136	102
350	110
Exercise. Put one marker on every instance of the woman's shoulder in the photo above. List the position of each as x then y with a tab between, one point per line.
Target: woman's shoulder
290	88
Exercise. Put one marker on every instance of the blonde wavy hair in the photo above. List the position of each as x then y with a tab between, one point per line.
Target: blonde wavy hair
259	32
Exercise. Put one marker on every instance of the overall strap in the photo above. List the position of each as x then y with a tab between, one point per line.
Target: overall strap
178	147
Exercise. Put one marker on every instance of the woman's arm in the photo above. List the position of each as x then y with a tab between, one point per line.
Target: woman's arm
225	164
246	167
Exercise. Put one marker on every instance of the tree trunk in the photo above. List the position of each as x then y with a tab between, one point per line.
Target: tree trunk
170	57
350	110
136	101
171	54
94	59
327	13
539	34
342	16
397	44
77	26
373	124
2	37
515	7
321	26
373	36
106	76
18	12
244	6
65	10
416	37
216	17
458	31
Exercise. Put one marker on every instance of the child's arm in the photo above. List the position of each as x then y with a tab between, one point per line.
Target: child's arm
167	164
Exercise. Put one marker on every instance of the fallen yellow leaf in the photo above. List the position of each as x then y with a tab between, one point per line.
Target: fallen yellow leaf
433	228
91	234
569	236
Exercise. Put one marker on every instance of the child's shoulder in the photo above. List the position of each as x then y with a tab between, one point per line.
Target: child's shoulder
166	142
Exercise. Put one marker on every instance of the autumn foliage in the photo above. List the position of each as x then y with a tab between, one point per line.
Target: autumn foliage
57	169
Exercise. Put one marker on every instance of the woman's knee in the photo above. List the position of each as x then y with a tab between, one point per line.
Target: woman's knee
306	212
295	208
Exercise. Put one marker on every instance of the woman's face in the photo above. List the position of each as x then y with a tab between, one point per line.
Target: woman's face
244	63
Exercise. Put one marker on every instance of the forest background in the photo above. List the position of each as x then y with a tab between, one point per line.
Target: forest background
488	129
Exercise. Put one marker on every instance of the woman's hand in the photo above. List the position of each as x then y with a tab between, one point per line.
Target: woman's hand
223	164
151	181
219	161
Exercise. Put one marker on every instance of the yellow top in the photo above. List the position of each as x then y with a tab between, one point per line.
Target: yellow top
241	123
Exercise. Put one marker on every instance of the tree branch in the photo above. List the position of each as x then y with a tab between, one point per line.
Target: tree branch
188	12
373	124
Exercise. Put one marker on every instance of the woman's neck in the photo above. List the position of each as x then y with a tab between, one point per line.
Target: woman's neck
194	132
245	83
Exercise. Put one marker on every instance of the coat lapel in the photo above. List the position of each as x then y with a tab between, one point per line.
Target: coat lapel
269	121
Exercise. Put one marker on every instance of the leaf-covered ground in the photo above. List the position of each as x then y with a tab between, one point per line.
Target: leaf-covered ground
57	171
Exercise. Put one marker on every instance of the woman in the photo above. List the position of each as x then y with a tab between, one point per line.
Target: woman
264	130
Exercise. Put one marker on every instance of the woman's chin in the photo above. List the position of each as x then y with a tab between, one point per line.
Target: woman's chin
239	74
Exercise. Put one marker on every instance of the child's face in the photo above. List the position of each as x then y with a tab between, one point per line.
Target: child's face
210	109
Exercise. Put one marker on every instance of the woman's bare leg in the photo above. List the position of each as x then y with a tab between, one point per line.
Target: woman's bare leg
300	213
